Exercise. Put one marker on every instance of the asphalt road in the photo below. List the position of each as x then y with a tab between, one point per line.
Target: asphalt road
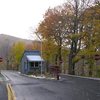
70	88
3	90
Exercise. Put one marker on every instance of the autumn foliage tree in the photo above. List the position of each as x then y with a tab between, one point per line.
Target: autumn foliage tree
49	51
92	34
16	54
54	27
69	26
76	30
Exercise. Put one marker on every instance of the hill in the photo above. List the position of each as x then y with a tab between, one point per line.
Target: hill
7	41
11	39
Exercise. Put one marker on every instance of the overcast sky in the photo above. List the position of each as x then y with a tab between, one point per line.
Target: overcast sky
19	17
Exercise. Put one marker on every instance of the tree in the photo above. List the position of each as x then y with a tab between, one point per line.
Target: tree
54	27
91	38
65	25
16	54
49	51
76	31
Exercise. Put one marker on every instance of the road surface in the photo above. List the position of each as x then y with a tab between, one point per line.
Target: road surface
3	90
42	89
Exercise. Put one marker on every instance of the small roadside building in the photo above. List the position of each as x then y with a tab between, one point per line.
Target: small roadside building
31	62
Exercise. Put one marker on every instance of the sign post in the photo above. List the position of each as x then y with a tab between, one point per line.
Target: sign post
55	70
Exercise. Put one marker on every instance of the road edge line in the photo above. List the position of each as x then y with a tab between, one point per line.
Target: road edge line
11	94
5	76
83	77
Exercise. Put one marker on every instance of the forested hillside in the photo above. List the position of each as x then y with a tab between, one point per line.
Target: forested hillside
11	49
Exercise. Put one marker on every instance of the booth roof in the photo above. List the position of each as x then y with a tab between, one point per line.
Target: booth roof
34	58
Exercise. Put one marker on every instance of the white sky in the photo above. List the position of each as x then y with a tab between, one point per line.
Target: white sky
19	17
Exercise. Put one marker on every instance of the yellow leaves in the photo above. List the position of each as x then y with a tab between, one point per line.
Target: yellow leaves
92	29
49	49
76	59
92	15
17	51
88	51
55	22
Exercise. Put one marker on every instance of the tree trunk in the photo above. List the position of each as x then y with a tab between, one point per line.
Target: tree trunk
74	44
91	64
90	71
71	68
60	58
71	63
60	53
